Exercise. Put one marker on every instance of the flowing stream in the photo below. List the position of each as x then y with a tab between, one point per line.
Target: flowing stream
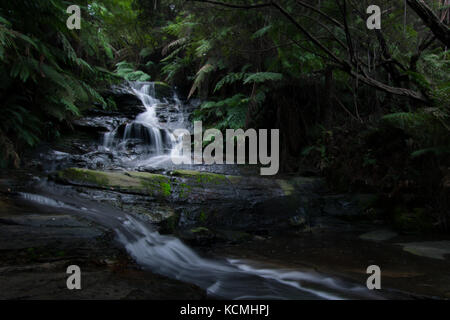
167	255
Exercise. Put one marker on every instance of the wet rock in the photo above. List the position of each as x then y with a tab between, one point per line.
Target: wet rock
429	249
183	200
99	124
127	103
379	235
182	185
350	207
36	248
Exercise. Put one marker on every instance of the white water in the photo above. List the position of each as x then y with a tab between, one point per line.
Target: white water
155	140
222	278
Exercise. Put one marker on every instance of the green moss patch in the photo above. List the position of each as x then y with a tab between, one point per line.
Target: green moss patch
201	177
84	176
139	182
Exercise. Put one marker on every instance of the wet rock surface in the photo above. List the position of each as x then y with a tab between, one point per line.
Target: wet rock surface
37	247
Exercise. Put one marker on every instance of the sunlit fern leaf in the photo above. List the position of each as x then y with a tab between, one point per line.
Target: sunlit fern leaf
259	77
200	77
229	79
261	32
70	106
173	44
202	47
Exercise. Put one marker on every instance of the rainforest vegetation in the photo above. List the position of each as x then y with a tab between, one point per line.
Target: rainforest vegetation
367	109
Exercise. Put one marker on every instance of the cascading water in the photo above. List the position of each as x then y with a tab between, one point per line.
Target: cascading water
147	140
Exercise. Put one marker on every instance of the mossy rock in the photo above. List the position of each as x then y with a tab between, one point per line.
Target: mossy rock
133	182
299	184
83	176
201	177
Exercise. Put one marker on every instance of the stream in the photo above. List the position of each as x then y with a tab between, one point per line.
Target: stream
147	143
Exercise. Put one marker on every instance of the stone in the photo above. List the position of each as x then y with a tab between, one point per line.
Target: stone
379	235
429	249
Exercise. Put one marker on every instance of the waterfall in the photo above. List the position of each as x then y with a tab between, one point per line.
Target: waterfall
148	139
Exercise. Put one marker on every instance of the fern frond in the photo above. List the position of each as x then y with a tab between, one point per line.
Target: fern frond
259	77
200	77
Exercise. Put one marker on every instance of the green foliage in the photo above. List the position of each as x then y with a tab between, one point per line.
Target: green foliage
428	128
223	114
49	73
128	72
259	77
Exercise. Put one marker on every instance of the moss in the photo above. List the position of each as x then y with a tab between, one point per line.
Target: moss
166	189
184	190
200	229
201	177
155	184
287	188
142	182
84	175
202	217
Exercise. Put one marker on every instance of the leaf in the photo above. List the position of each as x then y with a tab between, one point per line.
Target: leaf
261	32
200	76
173	44
259	77
145	52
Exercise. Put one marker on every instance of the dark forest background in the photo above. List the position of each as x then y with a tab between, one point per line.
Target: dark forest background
367	109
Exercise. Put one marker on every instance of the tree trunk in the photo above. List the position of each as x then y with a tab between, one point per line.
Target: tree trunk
439	29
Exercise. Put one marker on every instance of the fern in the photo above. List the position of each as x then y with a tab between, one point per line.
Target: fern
261	32
223	114
229	79
200	77
128	72
259	77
